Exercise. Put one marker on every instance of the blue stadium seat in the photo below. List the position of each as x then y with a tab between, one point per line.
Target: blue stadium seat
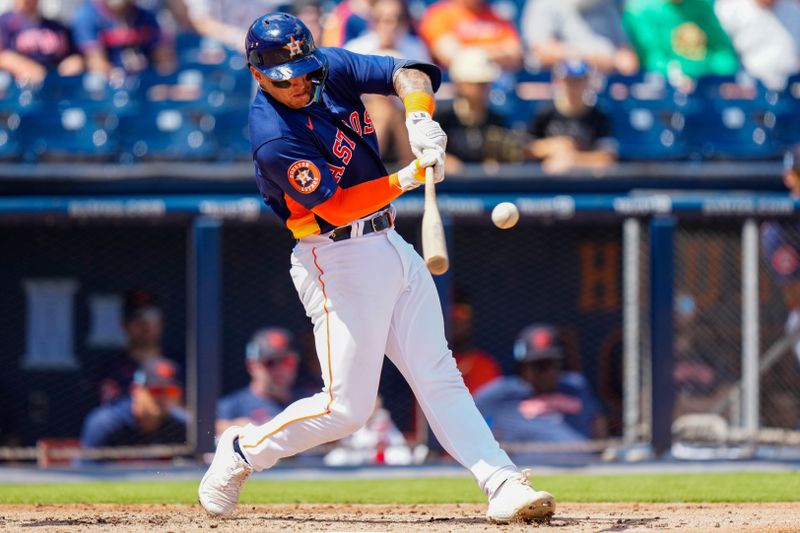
233	134
787	110
212	85
732	133
10	145
55	132
710	87
9	90
648	133
90	86
193	48
168	131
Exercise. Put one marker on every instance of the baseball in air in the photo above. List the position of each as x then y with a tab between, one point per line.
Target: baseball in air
505	215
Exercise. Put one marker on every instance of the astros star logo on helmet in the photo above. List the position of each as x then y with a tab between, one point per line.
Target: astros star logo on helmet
294	47
304	176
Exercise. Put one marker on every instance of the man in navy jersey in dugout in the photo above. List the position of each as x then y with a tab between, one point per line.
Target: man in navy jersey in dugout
271	362
151	414
365	289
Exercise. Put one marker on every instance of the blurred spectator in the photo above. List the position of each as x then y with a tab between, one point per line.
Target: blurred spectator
701	373
541	403
680	39
389	35
766	35
572	132
477	366
30	44
227	21
781	242
271	362
172	15
116	34
782	410
591	30
450	25
144	328
310	13
475	133
152	414
378	442
348	20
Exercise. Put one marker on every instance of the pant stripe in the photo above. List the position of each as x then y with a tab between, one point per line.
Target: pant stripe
330	369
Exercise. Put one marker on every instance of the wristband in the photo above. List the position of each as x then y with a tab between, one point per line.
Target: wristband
418	101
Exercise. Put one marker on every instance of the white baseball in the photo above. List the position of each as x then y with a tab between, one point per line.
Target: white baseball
505	215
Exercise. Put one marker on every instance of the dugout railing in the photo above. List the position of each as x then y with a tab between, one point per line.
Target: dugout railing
607	268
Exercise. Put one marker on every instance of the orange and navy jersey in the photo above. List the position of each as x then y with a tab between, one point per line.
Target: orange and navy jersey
306	158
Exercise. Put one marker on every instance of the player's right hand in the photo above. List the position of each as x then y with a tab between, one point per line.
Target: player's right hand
413	175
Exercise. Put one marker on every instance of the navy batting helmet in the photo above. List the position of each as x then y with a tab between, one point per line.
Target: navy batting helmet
281	47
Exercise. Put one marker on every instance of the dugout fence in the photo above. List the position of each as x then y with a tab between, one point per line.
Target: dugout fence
668	304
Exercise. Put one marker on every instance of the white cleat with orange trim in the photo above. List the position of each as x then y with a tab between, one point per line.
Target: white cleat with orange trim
220	487
517	501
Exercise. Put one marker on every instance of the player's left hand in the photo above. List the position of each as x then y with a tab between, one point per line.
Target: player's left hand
413	175
424	133
438	165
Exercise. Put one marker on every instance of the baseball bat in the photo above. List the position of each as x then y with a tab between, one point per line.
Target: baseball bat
434	246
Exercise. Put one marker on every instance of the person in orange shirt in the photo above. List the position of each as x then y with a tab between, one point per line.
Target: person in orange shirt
477	366
450	25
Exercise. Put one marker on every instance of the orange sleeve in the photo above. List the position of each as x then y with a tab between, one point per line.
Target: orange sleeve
358	201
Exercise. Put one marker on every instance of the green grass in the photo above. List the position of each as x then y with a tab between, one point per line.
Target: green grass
729	487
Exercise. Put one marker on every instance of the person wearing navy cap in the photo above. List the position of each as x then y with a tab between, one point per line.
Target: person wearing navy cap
542	403
271	361
572	132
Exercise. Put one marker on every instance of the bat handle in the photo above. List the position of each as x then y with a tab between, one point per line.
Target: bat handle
430	186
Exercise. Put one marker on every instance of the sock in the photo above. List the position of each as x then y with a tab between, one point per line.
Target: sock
238	450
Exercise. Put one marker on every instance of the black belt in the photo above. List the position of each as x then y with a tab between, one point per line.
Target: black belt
377	223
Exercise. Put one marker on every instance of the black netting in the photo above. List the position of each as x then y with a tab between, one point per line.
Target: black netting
63	291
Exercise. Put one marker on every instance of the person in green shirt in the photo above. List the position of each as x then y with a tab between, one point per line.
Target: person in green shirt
679	38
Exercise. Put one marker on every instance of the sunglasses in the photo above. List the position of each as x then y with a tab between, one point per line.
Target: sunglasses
281	361
285	84
169	391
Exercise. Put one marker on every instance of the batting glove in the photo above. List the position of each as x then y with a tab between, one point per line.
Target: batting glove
424	133
413	175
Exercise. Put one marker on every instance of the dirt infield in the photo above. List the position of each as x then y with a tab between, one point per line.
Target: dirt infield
463	518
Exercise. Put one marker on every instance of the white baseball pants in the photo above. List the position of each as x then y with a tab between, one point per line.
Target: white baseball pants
368	296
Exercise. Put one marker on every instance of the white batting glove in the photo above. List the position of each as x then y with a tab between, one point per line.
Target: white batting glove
413	175
438	166
424	133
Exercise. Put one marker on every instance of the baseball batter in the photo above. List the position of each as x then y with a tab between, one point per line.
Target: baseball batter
366	290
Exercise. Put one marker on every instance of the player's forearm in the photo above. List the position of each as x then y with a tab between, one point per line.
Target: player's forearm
410	80
359	201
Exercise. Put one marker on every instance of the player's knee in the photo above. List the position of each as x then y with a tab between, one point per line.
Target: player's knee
350	417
